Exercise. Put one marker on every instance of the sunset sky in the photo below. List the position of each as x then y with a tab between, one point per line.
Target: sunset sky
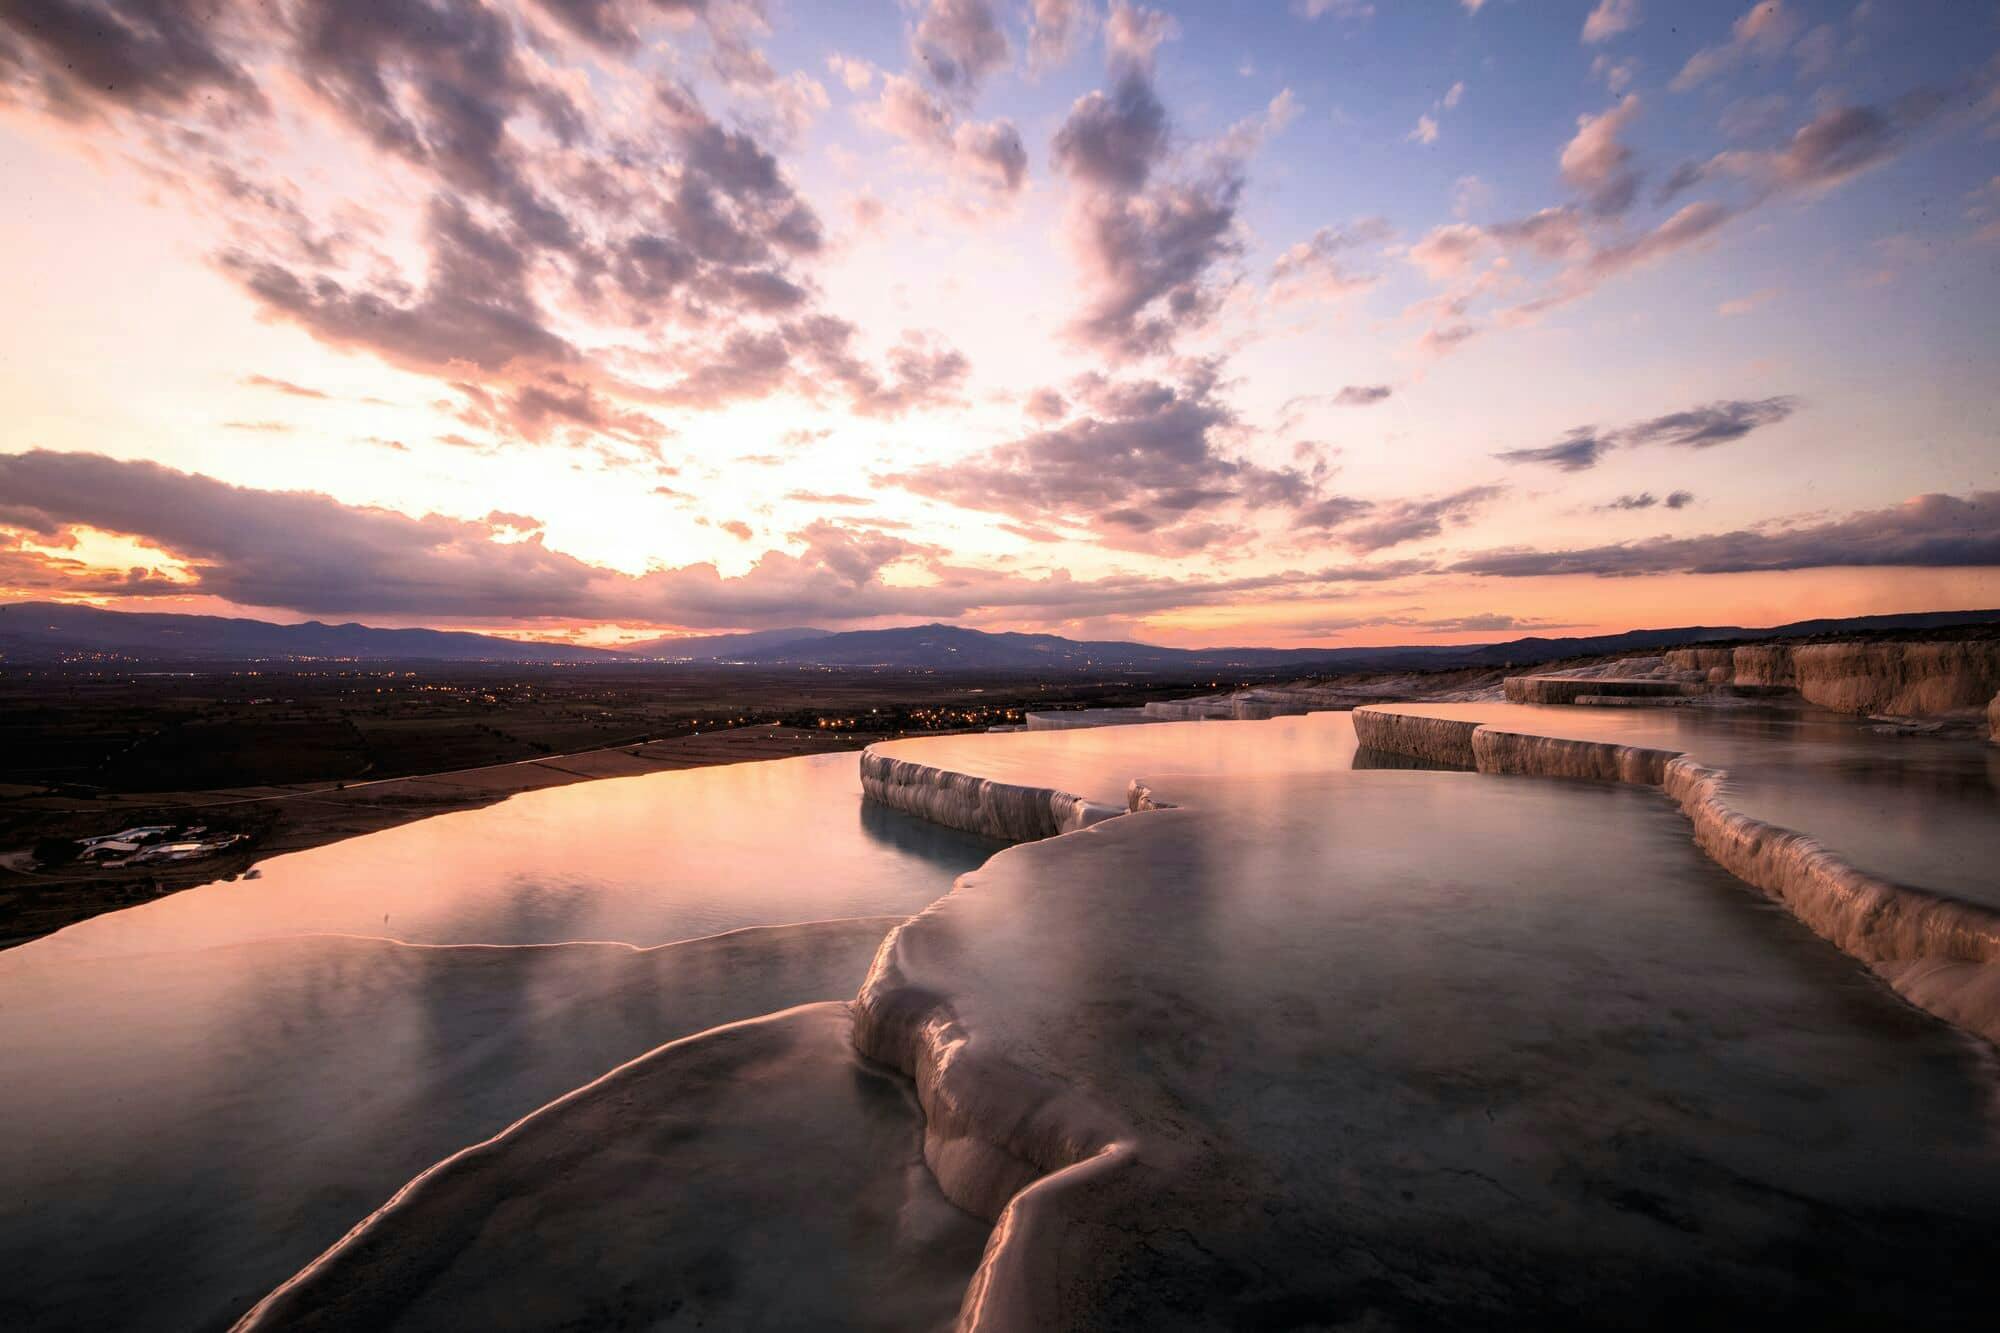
1321	322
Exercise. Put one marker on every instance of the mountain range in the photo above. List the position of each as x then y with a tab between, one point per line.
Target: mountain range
38	632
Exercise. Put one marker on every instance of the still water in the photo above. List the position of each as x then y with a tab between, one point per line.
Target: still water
1922	810
1462	1052
202	1093
1100	763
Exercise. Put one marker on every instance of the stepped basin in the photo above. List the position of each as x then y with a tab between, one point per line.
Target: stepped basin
1099	764
757	1176
1358	1049
643	860
1916	809
202	1093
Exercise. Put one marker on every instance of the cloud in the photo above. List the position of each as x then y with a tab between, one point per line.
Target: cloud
1377	527
1610	18
1448	250
1362	395
1140	467
1647	500
857	75
1486	621
1754	117
1426	131
1054	29
550	208
281	386
1701	427
1927	531
1146	247
959	44
827	498
1113	141
1618	75
1712	424
154	56
988	154
1046	405
1316	269
1597	164
1836	145
1133	34
308	553
502	519
1765	29
1577	451
1346	9
1332	512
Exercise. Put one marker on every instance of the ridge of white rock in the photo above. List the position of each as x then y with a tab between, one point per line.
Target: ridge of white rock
1268	701
1940	953
686	1188
1900	679
990	1128
972	804
1078	719
1192	1062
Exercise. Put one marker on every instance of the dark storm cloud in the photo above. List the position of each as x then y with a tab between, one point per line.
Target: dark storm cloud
1930	531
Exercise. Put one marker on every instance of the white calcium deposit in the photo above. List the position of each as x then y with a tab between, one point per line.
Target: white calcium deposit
1903	933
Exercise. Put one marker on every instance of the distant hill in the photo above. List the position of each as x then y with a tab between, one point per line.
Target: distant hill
951	647
719	647
49	631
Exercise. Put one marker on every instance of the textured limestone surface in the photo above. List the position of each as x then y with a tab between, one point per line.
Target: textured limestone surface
1940	951
759	1176
202	1092
1072	719
187	1129
1920	810
1099	765
1348	1049
1897	679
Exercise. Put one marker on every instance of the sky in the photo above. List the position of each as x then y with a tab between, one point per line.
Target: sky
1309	323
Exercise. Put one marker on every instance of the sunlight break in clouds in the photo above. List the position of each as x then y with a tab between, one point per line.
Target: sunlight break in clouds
629	316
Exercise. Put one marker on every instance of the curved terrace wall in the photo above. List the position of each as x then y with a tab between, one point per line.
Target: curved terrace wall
1904	679
1941	954
974	804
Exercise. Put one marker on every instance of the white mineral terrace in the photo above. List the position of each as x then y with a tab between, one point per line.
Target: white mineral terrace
1292	1043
